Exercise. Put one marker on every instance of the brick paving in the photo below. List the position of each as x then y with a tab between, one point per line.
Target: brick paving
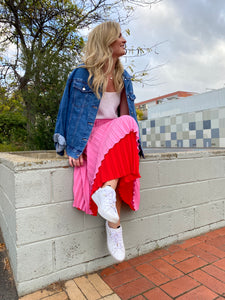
191	270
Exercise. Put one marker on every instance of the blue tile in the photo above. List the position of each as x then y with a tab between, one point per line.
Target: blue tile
192	142
143	130
199	134
215	133
192	125
207	143
179	143
162	129
173	135
207	124
168	144
153	123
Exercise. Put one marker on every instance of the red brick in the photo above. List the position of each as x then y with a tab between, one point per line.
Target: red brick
191	264
133	288
177	257
211	249
179	286
122	266
168	270
156	294
215	272
140	297
138	260
203	254
148	257
152	274
107	272
218	242
220	264
121	278
174	248
200	293
215	233
209	281
191	242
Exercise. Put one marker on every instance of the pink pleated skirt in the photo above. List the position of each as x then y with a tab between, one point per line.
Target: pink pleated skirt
111	152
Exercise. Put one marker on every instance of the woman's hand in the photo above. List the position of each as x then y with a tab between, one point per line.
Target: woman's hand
76	162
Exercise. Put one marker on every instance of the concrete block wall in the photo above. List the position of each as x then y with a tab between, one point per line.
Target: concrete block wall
182	195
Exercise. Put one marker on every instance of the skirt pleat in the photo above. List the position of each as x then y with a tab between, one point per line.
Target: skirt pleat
111	152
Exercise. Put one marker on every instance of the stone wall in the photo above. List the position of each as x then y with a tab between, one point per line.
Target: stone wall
182	195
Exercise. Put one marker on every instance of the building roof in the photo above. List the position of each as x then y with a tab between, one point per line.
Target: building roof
180	94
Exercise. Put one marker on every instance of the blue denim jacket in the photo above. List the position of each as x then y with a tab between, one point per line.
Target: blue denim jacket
78	110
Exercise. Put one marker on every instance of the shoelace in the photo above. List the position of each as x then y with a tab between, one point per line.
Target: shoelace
110	200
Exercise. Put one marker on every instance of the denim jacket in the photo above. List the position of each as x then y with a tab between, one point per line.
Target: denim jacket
78	110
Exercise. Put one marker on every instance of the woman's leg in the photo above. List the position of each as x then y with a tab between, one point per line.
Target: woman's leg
113	183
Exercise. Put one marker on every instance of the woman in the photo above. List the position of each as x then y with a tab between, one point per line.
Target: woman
97	125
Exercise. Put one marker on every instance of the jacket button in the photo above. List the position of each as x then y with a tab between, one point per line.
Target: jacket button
83	89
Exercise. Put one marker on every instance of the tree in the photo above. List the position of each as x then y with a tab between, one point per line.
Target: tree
45	36
12	120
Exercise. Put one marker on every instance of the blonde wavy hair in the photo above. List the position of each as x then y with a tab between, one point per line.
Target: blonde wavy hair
98	57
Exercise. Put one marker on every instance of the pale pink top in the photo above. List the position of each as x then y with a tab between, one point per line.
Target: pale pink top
108	106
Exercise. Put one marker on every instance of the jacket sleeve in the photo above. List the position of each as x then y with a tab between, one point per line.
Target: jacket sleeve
59	136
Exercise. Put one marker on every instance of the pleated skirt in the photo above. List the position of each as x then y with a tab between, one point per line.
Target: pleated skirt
111	153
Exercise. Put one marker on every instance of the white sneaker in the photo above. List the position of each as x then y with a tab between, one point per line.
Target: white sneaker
115	242
105	199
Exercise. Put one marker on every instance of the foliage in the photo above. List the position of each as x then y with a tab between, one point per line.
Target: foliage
13	127
140	114
12	120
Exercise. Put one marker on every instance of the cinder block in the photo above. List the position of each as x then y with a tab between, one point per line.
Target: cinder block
210	168
7	182
158	200
47	221
91	222
175	222
167	241
80	248
191	194
32	188
34	284
217	189
62	184
177	171
149	172
138	232
209	213
34	261
9	214
10	244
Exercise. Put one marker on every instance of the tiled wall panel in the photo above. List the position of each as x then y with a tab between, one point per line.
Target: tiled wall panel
195	129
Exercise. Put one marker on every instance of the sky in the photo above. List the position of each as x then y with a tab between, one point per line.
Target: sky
187	38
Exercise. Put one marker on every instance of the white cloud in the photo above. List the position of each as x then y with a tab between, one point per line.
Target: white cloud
194	48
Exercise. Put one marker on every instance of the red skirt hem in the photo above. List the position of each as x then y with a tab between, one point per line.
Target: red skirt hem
121	161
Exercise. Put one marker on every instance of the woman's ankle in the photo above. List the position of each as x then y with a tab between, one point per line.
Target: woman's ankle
113	225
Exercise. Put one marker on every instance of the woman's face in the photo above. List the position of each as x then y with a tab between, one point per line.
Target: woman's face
118	47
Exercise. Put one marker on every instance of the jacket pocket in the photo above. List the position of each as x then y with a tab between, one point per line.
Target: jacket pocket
80	93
